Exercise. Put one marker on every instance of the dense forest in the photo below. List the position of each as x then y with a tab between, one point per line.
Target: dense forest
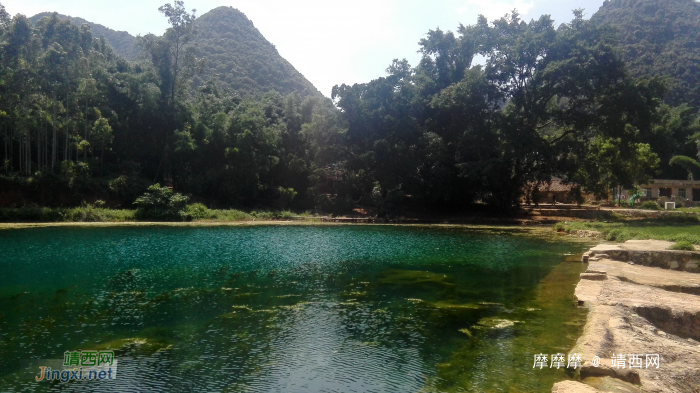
123	43
232	52
80	122
659	38
662	38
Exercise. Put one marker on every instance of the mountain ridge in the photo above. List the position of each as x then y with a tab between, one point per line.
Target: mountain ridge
229	39
123	43
659	38
237	56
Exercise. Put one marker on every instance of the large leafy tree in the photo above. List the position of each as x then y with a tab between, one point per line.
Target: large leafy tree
383	131
172	54
544	101
561	89
173	59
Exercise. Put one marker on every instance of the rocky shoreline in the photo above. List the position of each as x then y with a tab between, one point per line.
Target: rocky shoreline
643	301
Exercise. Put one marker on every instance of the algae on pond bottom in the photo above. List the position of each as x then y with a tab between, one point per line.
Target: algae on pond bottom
336	308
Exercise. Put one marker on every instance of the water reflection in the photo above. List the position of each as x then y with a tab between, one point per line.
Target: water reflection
287	308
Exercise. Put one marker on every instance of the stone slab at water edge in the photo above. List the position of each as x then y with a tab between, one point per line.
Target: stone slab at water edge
648	253
638	310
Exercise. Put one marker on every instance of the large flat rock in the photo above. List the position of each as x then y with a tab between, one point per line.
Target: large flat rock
651	276
639	312
635	245
572	387
652	253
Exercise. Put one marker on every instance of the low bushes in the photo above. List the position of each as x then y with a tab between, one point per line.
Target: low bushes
272	215
649	205
157	203
161	203
30	214
85	213
673	228
683	245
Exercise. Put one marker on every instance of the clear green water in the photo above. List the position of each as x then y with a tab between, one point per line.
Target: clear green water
289	309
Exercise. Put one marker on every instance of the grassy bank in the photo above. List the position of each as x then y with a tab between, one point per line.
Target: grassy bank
674	228
91	213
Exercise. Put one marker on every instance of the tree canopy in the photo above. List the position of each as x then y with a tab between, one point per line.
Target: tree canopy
548	102
230	129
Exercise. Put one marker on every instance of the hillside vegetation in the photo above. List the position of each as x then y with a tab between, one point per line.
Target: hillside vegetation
659	38
80	123
236	56
239	58
123	43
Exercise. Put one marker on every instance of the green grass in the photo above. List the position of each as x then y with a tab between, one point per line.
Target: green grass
73	214
271	215
649	205
228	215
90	213
683	245
93	214
687	209
674	228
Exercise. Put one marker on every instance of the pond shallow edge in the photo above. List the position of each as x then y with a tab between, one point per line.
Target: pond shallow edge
401	316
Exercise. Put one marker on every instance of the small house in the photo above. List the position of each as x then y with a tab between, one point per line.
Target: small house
683	189
555	191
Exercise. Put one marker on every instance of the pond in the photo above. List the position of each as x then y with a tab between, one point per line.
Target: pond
289	308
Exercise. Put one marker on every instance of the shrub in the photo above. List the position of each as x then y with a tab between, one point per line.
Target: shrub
683	245
560	227
198	211
649	205
128	188
30	214
229	215
284	197
85	213
163	204
284	214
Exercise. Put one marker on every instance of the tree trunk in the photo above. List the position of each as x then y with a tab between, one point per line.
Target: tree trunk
12	149
20	146
45	156
102	156
29	152
67	130
53	140
38	148
6	162
85	138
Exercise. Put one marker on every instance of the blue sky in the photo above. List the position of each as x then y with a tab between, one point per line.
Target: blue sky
329	41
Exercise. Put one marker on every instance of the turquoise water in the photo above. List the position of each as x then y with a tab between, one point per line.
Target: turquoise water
288	308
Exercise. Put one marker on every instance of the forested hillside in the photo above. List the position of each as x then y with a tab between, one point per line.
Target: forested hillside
122	42
236	56
79	122
659	38
662	38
